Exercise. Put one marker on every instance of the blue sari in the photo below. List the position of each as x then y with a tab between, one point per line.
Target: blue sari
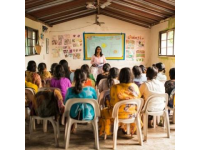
87	111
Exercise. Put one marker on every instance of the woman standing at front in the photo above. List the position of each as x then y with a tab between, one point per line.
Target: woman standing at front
97	61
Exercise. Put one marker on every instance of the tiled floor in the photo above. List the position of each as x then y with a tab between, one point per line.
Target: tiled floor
83	139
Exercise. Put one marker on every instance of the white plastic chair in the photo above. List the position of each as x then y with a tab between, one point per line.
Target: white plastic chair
136	119
52	120
70	120
156	105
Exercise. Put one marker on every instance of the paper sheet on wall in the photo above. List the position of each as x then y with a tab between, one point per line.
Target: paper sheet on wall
135	48
71	45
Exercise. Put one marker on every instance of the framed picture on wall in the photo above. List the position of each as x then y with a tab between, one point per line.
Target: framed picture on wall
47	46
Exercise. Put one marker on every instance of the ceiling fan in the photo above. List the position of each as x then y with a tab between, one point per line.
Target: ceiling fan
96	5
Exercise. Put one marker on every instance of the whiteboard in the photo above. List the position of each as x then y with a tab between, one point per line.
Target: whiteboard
112	45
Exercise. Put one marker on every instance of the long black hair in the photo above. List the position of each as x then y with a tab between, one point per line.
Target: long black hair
79	78
41	68
113	73
96	51
143	68
172	73
125	75
64	63
53	67
137	72
106	67
31	66
59	72
151	73
161	67
85	68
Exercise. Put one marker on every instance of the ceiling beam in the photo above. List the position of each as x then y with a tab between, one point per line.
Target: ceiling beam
89	12
36	2
137	12
68	15
139	8
136	16
58	8
35	19
162	4
70	19
126	19
98	7
171	2
47	5
150	6
60	12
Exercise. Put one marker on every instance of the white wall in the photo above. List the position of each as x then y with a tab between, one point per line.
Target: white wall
153	48
43	57
111	25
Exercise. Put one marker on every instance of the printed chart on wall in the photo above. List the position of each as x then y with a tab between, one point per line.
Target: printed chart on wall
135	48
71	45
112	44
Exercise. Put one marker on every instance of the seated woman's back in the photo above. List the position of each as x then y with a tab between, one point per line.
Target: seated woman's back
44	74
161	72
152	84
79	91
59	80
105	84
139	78
31	75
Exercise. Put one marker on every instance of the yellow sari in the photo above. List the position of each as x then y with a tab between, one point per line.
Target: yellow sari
119	92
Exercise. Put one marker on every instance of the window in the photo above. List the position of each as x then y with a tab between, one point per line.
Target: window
31	36
166	46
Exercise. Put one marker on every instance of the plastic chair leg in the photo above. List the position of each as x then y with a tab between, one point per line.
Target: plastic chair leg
145	126
167	123
30	127
158	119
115	134
69	123
95	126
139	131
128	128
45	125
173	119
55	131
154	121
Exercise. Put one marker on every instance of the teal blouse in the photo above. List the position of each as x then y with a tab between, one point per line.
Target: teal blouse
87	109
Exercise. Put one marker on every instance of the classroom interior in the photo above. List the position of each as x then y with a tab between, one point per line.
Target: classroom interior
145	19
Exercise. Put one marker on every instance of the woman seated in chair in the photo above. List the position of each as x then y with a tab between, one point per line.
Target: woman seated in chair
44	74
105	84
52	68
161	72
48	102
42	71
60	81
31	75
88	82
170	86
31	85
150	86
125	90
80	111
106	68
138	77
86	68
